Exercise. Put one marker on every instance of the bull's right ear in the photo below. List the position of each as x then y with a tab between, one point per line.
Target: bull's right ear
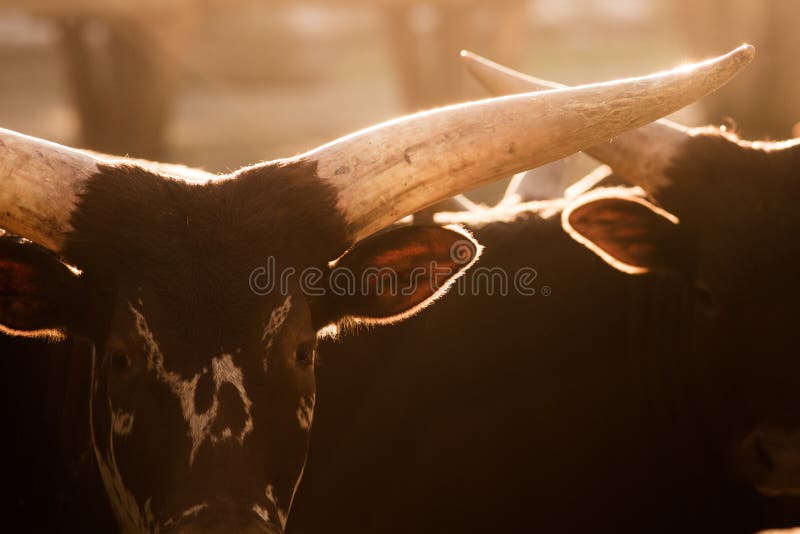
395	274
626	230
37	291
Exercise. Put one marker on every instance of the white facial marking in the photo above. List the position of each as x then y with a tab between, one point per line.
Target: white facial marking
121	423
121	499
270	493
189	512
261	512
274	325
194	510
148	511
305	411
223	371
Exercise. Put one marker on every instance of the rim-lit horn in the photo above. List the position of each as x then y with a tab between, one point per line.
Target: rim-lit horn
639	156
40	183
399	167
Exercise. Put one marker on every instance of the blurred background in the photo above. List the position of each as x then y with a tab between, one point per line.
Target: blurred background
221	83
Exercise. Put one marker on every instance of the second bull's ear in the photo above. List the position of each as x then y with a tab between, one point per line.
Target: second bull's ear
630	233
397	273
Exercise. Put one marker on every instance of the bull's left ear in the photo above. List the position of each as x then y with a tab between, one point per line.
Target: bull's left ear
630	233
395	274
39	295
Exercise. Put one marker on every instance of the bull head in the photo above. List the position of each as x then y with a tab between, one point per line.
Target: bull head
736	203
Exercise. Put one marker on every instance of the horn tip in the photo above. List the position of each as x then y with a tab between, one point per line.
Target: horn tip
746	51
468	57
741	55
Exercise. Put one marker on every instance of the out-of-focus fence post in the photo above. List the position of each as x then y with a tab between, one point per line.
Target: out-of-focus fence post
123	64
763	101
426	59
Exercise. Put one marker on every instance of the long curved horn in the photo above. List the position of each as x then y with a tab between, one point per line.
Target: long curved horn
40	183
399	167
639	156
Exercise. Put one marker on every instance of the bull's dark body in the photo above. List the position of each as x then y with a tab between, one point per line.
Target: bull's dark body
609	406
49	462
513	414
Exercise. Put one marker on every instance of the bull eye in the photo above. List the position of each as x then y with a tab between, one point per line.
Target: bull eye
120	361
304	355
